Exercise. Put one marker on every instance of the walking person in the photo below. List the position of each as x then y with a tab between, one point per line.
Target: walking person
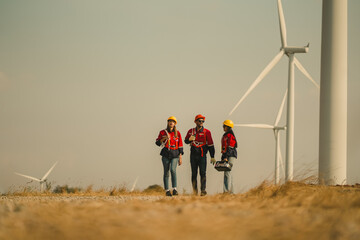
228	153
201	142
172	151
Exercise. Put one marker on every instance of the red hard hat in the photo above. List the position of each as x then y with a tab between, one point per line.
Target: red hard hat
199	116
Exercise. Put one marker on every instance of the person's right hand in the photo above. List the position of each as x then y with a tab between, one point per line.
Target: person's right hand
180	160
164	138
191	138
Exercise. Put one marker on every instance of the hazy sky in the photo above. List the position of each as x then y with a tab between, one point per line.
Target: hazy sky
91	83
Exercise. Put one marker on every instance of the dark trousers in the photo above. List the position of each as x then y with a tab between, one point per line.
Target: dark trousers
198	162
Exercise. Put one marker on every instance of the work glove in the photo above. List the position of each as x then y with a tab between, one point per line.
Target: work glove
191	138
212	161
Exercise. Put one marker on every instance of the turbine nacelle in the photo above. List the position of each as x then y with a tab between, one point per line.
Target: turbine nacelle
292	50
276	128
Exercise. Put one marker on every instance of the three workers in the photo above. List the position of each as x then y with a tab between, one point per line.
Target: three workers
201	142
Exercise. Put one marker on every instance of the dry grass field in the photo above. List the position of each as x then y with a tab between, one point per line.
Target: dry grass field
291	211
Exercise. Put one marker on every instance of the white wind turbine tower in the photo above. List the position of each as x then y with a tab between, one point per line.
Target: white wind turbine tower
41	180
333	96
290	52
276	128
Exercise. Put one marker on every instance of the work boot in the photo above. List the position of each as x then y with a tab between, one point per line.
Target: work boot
175	193
168	193
203	193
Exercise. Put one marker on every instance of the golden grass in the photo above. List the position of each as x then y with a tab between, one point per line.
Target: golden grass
295	210
88	191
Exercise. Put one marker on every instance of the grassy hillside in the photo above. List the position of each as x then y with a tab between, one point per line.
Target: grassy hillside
291	211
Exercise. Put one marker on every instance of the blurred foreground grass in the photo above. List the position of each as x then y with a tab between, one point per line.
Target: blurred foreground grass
294	210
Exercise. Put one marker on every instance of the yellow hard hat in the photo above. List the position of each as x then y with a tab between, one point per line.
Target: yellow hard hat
228	123
172	118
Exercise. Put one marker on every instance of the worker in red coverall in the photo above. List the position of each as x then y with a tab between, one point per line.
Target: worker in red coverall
228	153
172	151
201	142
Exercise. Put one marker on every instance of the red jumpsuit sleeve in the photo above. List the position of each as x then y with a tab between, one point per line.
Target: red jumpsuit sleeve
209	139
231	141
210	144
161	134
180	140
181	149
189	133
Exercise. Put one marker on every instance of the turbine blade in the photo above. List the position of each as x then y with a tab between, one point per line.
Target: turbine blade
48	172
32	178
255	125
134	185
278	117
282	25
266	70
303	70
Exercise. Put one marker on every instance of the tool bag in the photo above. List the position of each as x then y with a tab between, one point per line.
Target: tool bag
222	166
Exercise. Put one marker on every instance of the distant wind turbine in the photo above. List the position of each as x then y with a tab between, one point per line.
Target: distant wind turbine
134	185
290	52
276	128
41	180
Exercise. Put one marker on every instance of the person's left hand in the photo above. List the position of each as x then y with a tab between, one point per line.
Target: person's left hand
212	161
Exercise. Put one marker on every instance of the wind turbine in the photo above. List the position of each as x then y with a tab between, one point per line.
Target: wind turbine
276	128
290	52
134	185
41	180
